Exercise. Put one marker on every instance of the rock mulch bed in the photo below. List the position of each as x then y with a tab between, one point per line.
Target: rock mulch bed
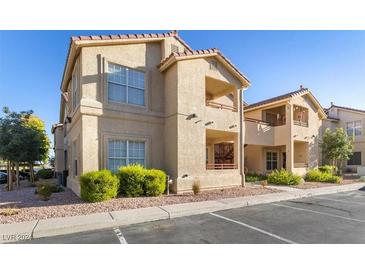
68	204
307	185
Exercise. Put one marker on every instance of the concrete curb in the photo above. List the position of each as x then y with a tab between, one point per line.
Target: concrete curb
68	225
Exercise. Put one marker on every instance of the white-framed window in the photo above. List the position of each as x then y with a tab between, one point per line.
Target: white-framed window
271	160
75	87
125	152
354	128
125	85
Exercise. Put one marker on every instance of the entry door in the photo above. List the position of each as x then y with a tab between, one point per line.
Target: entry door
284	160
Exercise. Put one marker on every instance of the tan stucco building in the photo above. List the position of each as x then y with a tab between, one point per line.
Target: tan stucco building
150	99
352	121
283	133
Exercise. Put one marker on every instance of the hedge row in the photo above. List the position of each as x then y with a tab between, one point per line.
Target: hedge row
130	181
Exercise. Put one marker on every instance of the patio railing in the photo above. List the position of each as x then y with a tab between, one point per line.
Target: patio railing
221	166
300	123
220	106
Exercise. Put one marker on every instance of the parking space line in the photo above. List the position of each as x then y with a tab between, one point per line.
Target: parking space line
120	236
341	201
254	228
322	213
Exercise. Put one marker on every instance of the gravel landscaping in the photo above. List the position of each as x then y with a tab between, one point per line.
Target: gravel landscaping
307	185
62	204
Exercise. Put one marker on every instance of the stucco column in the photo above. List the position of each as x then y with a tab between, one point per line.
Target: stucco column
241	138
290	138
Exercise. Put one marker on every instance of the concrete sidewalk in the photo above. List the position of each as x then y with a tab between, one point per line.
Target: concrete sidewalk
68	225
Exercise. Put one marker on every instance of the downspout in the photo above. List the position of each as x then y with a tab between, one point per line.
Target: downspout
241	143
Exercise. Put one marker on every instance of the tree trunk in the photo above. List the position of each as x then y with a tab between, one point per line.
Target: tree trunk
17	175
31	173
8	185
10	176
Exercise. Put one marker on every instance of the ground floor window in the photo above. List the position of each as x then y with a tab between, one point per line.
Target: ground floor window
271	160
355	159
125	152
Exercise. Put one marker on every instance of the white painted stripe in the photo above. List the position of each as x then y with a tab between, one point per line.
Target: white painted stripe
120	236
254	228
342	201
321	213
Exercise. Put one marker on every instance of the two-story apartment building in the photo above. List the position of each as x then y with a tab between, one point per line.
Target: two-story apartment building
150	99
352	121
283	133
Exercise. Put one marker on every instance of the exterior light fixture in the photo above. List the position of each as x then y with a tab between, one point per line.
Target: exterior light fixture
191	116
232	126
209	123
184	176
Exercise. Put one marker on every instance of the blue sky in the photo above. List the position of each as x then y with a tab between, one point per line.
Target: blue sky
330	63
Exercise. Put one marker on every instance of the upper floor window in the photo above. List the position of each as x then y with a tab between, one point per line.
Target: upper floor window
354	128
75	87
125	85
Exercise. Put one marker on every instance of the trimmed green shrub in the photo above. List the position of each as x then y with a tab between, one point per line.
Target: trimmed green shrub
283	177
362	179
254	177
328	169
52	185
132	179
155	182
44	191
135	180
315	175
45	173
97	186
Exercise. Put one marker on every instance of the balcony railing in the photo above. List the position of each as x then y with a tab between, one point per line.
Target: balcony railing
221	166
220	106
300	165
300	123
279	123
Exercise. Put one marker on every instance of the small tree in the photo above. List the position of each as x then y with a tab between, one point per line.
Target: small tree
336	146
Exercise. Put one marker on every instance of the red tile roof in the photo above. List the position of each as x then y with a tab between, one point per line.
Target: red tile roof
202	53
346	108
277	98
299	92
122	36
131	36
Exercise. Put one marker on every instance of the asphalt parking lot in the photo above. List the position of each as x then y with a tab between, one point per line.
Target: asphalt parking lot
327	219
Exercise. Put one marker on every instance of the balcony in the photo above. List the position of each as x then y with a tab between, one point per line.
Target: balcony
213	104
300	115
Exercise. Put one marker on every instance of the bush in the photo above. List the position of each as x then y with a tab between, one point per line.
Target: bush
45	173
52	185
155	182
132	179
315	175
135	180
362	179
97	186
254	177
44	191
196	187
283	177
328	169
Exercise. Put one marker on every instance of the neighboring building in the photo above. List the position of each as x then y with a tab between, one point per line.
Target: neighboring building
283	132
150	99
352	121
